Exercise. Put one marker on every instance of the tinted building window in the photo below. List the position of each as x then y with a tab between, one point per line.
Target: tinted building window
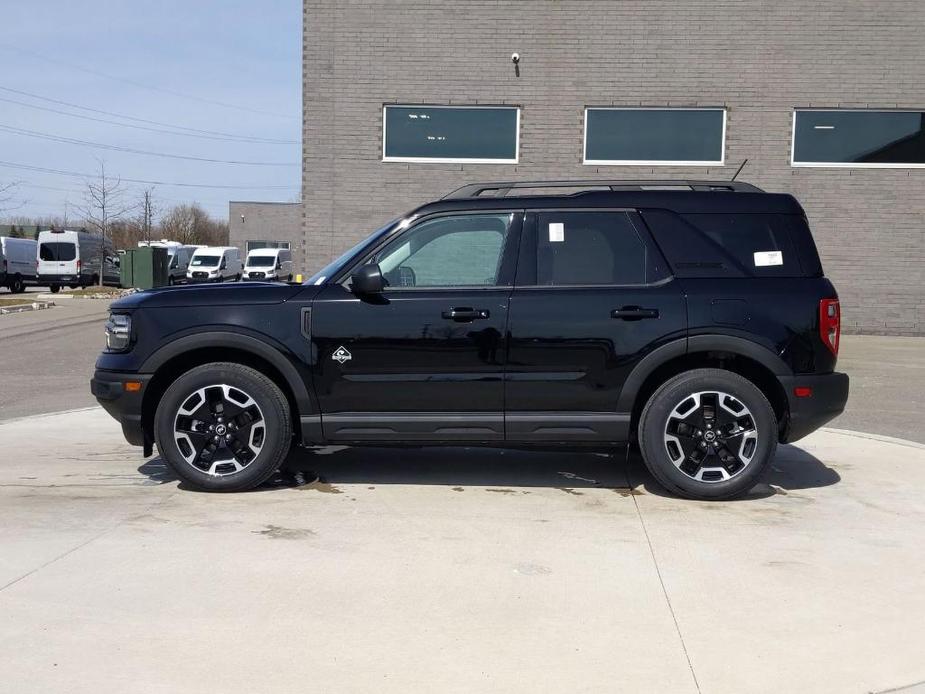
589	248
450	133
654	136
859	138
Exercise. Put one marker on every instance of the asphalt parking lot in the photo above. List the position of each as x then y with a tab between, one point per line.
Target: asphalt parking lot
453	569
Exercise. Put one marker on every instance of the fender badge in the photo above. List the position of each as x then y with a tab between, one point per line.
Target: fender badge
341	355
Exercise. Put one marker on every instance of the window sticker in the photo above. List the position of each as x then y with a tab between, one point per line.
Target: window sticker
766	258
557	232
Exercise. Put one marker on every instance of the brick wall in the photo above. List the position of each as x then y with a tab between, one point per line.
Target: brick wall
759	59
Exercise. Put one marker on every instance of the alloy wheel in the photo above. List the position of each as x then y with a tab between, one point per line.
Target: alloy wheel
711	436
219	429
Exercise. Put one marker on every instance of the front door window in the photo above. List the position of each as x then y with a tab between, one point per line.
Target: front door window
461	251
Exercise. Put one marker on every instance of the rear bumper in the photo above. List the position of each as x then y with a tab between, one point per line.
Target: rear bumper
829	395
44	279
108	387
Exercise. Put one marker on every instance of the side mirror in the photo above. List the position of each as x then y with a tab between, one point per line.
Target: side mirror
367	280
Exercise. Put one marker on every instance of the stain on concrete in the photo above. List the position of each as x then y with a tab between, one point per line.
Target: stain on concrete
532	569
569	490
458	489
502	491
278	532
320	485
626	491
573	476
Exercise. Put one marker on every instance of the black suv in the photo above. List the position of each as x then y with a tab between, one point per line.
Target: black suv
692	317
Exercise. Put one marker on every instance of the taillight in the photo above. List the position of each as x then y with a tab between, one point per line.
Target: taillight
830	324
78	267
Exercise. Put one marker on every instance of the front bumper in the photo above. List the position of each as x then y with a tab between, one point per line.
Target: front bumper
829	395
108	387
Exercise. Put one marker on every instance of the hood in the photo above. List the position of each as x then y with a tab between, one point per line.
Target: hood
231	294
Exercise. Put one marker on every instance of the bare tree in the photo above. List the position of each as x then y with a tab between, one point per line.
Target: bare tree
103	205
190	224
148	210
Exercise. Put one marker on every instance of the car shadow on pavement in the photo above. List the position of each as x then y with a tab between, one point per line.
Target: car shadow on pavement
793	469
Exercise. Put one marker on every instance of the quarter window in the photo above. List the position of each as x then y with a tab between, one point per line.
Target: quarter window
472	134
655	136
858	138
457	251
575	248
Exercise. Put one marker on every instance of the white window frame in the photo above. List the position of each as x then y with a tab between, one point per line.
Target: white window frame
654	162
453	160
845	164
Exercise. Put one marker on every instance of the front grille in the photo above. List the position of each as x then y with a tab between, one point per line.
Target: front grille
200	275
257	275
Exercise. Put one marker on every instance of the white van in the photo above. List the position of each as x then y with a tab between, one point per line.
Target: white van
17	263
75	259
269	265
215	264
178	257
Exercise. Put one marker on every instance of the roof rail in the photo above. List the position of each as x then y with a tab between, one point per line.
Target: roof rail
500	189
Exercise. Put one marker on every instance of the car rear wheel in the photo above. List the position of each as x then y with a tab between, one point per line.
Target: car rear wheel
54	288
708	434
223	427
17	286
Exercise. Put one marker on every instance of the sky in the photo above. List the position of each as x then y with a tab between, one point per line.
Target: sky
198	79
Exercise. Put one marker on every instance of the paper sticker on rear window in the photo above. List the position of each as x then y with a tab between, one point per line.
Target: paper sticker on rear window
556	232
765	258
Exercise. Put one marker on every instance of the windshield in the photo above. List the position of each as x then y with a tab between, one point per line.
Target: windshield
335	266
261	261
205	260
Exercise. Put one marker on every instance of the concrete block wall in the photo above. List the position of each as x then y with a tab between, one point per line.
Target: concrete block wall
757	59
265	221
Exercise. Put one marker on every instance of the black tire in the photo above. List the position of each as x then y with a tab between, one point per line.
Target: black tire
73	286
17	286
54	288
674	392
272	404
170	281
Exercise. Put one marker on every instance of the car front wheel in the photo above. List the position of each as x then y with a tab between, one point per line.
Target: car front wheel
223	427
708	434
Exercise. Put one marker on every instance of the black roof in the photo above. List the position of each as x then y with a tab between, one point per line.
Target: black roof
678	196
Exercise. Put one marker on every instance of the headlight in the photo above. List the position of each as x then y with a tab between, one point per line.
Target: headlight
118	332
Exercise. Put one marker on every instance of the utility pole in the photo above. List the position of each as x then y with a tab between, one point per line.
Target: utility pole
147	215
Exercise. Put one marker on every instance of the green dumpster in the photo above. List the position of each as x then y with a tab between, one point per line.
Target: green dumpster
144	268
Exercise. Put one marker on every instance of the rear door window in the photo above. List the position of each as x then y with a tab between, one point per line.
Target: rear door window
57	251
760	243
591	248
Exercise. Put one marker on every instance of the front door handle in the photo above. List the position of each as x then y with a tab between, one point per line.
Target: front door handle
465	314
634	313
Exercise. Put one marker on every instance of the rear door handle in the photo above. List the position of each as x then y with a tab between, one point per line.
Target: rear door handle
465	314
634	313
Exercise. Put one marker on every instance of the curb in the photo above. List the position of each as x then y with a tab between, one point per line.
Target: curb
59	295
874	437
41	415
20	308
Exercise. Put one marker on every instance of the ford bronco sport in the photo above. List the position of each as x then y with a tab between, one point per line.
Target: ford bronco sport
690	317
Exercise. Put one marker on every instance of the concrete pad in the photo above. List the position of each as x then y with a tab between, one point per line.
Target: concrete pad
455	570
